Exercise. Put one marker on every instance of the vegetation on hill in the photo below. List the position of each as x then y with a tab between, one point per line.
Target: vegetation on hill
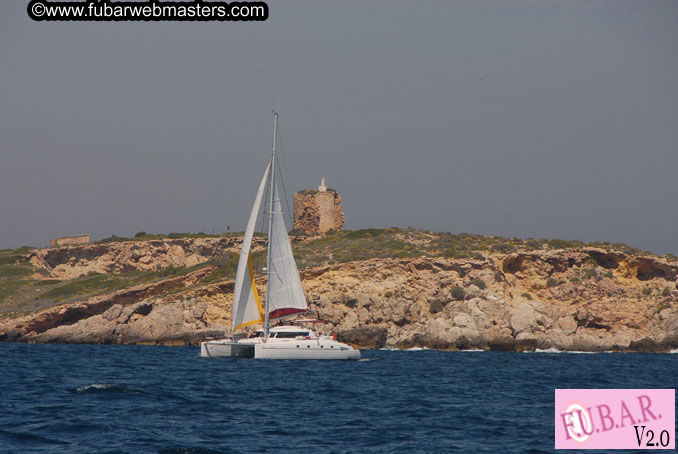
25	288
351	245
143	236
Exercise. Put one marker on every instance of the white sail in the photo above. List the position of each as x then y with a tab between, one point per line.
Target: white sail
286	294
247	308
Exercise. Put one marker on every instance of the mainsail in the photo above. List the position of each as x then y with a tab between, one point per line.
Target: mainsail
246	304
284	285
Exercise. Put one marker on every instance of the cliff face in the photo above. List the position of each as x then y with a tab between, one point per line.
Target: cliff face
121	257
571	299
586	300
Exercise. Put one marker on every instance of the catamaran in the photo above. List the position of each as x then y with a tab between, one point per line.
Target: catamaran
284	293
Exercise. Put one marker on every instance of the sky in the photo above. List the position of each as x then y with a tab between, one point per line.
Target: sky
545	119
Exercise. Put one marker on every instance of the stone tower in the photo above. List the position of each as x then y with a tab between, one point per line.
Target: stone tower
318	211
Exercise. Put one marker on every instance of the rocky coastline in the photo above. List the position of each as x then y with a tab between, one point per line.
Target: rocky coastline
573	299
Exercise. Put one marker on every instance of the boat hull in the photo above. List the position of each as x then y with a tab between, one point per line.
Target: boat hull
224	349
306	349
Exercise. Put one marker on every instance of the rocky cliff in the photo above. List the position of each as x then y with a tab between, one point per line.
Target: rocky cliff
120	257
580	298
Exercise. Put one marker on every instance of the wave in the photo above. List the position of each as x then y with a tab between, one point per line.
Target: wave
555	350
104	388
473	350
411	349
189	450
28	437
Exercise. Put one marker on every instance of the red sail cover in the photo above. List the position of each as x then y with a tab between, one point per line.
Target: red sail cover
285	312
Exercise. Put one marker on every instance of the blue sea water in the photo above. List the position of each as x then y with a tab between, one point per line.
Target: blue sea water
168	400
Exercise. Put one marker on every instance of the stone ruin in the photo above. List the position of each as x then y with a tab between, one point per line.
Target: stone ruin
69	241
317	211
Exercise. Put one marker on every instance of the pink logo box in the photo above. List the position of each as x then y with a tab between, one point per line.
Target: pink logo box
605	418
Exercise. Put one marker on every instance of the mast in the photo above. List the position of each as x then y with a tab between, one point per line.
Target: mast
267	322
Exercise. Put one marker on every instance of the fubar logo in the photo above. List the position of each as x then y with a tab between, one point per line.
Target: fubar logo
614	418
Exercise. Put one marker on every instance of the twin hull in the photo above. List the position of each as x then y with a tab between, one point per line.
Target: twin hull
288	349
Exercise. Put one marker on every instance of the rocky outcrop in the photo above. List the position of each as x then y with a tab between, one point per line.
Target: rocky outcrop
175	323
121	257
139	315
367	337
584	299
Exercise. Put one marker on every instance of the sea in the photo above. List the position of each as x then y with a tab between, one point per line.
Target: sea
168	400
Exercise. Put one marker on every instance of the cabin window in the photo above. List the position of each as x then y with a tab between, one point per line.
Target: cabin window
291	335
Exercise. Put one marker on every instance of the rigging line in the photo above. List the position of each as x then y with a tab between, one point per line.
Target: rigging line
287	203
257	259
280	168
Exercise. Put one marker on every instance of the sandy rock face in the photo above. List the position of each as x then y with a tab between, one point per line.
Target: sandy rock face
178	323
368	337
71	262
580	299
565	300
141	314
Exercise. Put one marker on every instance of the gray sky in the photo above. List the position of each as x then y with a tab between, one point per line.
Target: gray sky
514	118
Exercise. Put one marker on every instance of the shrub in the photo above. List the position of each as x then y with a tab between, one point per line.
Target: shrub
647	291
563	244
479	283
498	277
15	271
609	275
113	239
533	244
478	256
138	234
298	232
574	280
435	306
364	233
663	305
666	291
590	273
7	260
527	296
552	282
458	293
228	264
502	247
